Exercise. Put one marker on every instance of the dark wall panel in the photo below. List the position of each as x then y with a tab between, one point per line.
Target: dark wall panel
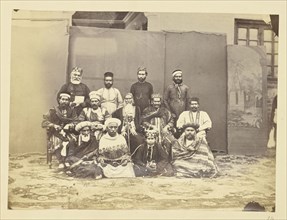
119	51
202	57
39	69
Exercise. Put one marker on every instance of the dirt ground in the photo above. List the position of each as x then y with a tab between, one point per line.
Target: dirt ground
32	185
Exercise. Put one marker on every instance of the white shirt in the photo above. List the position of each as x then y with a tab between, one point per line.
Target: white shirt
111	99
200	117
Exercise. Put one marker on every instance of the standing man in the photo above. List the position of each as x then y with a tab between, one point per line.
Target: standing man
176	95
111	98
272	135
79	91
142	90
201	118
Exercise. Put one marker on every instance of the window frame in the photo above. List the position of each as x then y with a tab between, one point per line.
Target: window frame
261	26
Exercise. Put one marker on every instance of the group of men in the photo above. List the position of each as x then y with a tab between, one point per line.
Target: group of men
100	134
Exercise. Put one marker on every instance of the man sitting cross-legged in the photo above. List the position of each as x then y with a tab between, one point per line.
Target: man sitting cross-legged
81	153
192	156
150	158
114	155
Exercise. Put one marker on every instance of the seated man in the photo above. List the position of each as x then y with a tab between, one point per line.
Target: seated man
150	158
114	155
192	156
130	128
60	122
159	118
81	153
200	118
95	114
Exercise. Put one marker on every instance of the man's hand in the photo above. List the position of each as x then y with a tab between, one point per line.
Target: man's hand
152	127
100	160
166	129
99	127
124	162
69	126
57	127
151	165
133	132
72	104
85	157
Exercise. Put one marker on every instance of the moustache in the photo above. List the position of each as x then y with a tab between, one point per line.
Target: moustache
189	135
178	81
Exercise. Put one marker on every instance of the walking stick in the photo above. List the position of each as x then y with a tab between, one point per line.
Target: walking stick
158	125
77	163
49	150
128	135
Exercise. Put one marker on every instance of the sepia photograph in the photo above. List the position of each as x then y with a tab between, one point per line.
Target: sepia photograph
143	110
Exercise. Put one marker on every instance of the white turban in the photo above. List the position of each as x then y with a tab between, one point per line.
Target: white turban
176	72
94	95
113	120
65	95
156	95
83	124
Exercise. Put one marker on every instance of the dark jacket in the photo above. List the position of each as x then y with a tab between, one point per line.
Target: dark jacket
158	154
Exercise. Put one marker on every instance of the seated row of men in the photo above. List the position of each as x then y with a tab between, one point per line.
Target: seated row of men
128	143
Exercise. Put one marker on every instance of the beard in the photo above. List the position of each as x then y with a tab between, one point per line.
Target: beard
156	106
194	109
177	81
75	81
189	136
85	138
64	105
108	85
141	79
94	106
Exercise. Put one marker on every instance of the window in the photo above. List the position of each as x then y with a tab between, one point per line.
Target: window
258	33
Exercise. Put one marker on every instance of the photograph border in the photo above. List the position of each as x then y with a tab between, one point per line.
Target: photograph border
238	7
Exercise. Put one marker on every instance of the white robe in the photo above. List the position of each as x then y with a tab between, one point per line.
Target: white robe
115	149
203	121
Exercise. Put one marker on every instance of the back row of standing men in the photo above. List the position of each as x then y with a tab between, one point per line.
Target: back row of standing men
142	114
175	98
